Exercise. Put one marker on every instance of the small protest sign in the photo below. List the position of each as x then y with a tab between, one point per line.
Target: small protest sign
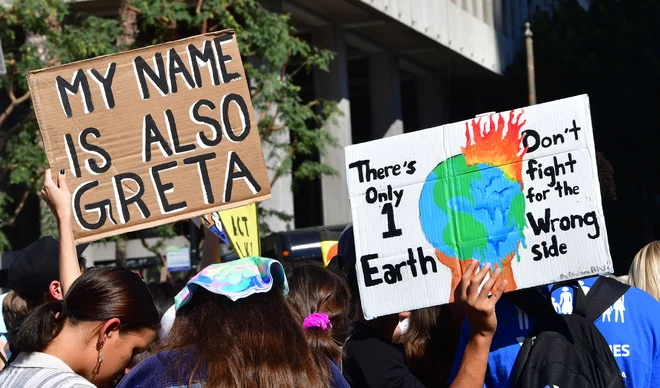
517	189
153	135
241	226
178	259
329	240
213	223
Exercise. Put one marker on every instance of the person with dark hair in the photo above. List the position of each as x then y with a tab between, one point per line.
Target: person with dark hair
373	359
43	271
233	329
14	310
35	272
319	300
163	294
430	342
106	316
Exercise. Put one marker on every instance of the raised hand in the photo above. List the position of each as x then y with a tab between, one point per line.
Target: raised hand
57	195
479	306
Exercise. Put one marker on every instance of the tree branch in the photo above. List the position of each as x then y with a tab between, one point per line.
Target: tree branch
13	101
18	209
24	198
298	69
13	130
205	22
163	260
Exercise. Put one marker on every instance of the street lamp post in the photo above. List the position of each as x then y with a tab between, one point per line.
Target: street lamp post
531	79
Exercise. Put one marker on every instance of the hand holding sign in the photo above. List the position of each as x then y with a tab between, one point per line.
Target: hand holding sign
480	307
57	196
159	134
517	190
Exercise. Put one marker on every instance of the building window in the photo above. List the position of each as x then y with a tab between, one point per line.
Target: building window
488	11
497	15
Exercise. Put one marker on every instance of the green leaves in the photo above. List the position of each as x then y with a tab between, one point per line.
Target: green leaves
94	37
294	129
34	35
40	33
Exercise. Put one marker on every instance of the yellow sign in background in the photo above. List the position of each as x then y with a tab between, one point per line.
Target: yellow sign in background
242	229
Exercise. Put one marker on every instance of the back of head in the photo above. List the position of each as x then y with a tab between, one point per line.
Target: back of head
314	289
645	270
347	260
14	310
253	341
98	295
430	344
163	294
35	267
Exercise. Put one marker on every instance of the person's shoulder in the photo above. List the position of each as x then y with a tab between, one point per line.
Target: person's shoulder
145	372
641	301
338	380
364	337
75	381
34	377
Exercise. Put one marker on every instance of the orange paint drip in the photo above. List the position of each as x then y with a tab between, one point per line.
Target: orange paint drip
494	147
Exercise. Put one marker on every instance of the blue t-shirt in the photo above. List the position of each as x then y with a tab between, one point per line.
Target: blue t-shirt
631	326
154	372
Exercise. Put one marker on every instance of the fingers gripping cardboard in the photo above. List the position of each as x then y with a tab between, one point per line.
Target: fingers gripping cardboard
153	135
518	190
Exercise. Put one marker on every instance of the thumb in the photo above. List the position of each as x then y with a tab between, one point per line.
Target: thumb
48	177
61	180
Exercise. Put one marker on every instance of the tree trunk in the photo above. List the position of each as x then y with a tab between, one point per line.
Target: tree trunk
129	23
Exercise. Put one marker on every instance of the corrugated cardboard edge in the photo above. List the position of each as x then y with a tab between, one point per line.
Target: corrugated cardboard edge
32	84
168	220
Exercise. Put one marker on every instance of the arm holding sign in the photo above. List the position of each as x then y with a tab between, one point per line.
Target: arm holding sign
57	196
210	250
480	310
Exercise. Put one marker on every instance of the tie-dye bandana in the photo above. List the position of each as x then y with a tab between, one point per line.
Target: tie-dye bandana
236	279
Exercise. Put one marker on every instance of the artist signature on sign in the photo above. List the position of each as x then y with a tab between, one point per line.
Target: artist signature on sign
595	269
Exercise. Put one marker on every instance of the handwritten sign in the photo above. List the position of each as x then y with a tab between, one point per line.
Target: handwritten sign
242	229
516	189
153	135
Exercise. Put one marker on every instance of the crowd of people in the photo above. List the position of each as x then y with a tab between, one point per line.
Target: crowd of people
256	322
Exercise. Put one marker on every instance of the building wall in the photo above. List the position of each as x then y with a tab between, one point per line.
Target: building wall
475	38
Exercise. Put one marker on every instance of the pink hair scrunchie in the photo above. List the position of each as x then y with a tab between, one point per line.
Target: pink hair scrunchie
320	320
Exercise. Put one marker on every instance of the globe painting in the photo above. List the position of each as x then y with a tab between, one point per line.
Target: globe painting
472	205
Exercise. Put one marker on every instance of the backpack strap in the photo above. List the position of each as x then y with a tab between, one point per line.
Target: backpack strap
579	298
533	303
604	292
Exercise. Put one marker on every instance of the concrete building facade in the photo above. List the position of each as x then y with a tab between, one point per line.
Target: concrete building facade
400	66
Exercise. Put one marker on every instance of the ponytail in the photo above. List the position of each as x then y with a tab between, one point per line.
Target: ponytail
323	342
98	295
39	328
319	300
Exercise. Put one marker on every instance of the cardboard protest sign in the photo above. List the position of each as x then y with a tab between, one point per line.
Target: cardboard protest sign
178	259
242	229
153	135
518	190
329	245
213	223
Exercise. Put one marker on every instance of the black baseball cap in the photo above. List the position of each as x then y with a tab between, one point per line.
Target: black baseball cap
35	267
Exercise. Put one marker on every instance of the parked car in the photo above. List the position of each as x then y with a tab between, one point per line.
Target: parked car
296	245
